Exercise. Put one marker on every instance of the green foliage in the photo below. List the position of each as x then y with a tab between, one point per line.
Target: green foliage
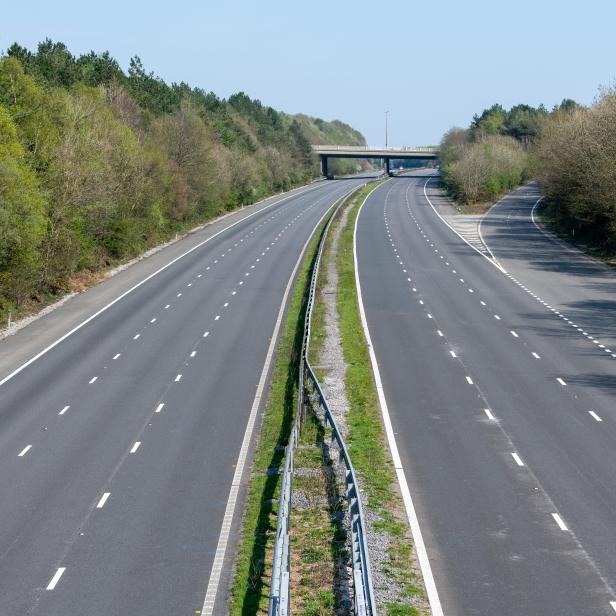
97	165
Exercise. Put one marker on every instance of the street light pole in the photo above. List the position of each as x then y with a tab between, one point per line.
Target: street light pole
386	115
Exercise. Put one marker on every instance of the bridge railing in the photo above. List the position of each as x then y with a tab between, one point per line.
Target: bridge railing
368	148
280	598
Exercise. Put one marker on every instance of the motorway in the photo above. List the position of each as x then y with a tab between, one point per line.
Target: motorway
123	447
503	411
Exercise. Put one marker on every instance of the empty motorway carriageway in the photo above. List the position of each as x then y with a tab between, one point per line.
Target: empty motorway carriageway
127	417
502	402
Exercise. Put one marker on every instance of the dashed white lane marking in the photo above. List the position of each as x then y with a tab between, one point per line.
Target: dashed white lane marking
178	377
136	336
439	332
421	301
117	355
217	317
206	334
559	521
536	355
179	295
93	380
64	410
488	412
24	451
517	458
497	317
153	320
429	315
56	578
561	381
103	500
233	292
159	408
193	353
469	380
452	354
514	334
135	446
482	302
595	416
167	306
613	604
226	304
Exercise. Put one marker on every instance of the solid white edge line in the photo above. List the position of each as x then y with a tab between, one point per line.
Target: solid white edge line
225	531
493	261
146	279
420	547
56	578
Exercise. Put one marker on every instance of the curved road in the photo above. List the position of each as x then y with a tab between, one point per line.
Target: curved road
504	416
118	446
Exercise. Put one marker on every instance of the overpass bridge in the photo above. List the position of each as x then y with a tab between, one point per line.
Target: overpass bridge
326	152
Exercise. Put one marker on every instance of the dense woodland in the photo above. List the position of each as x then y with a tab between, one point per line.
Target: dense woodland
97	165
571	150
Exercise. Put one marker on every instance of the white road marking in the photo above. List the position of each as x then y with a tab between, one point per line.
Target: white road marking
233	292
221	548
56	578
159	408
482	302
595	416
64	410
217	317
514	334
560	381
613	604
535	355
193	353
226	304
167	306
429	315
178	377
93	380
24	451
136	336
497	317
421	301
103	500
206	334
153	320
135	446
559	521
489	414
422	554
116	355
517	458
469	380
452	354
179	295
439	332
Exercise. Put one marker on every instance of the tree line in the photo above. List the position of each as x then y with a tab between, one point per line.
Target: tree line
570	150
97	165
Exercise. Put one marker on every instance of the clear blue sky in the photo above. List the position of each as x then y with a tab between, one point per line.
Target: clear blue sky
432	64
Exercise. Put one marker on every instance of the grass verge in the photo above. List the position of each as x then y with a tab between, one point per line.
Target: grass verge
250	587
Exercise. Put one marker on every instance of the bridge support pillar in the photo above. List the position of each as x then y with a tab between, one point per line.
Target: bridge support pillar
388	166
324	169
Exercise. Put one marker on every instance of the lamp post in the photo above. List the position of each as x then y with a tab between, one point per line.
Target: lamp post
386	116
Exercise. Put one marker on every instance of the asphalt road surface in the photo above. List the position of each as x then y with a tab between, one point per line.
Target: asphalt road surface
118	445
503	412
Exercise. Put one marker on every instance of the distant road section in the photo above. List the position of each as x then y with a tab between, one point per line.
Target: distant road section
119	446
504	413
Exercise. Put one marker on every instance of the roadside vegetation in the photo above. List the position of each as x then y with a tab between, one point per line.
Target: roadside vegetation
98	165
570	150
